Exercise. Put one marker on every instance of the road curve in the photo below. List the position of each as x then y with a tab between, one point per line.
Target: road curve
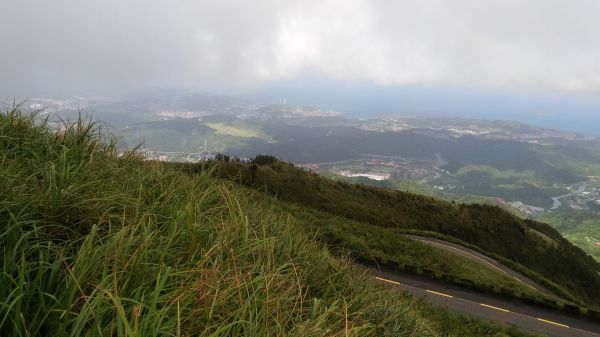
485	260
489	307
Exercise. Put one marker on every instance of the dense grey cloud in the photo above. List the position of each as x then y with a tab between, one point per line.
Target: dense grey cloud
134	44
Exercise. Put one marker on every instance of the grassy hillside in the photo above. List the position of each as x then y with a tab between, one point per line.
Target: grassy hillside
373	244
533	245
95	243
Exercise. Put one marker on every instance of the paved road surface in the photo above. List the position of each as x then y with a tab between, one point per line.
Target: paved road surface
485	260
490	307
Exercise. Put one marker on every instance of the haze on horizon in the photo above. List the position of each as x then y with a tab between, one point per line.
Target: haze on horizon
65	47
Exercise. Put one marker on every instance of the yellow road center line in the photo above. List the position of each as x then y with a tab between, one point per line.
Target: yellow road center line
550	322
388	281
493	307
441	294
485	305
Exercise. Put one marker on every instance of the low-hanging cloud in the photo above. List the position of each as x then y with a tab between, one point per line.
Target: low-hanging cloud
124	45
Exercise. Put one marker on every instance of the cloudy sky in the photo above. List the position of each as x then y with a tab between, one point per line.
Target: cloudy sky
130	45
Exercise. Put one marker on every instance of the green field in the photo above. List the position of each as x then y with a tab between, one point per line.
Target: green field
581	228
239	129
528	176
191	135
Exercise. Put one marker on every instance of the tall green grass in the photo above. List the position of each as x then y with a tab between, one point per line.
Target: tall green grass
96	243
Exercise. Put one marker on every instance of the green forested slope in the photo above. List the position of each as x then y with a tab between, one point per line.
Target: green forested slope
533	245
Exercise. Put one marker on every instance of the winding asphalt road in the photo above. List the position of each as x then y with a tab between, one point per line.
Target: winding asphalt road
528	317
485	260
490	307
